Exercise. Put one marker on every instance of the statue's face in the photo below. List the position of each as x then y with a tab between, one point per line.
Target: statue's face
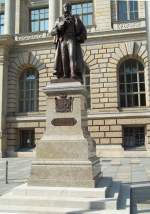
67	8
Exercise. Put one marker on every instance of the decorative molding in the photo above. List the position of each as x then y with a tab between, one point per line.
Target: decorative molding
6	41
32	36
129	25
45	37
90	60
128	49
91	115
27	59
118	115
26	118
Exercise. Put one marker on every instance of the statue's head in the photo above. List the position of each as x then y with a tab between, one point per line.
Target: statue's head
67	7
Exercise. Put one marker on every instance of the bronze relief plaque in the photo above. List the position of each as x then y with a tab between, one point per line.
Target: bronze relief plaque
63	104
64	122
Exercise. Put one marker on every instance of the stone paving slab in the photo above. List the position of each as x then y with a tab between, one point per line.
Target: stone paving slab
127	170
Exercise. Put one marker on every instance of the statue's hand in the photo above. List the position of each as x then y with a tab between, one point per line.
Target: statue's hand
80	39
54	31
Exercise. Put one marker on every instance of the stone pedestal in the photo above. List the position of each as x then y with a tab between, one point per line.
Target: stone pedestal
66	155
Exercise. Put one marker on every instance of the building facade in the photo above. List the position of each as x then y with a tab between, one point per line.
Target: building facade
117	76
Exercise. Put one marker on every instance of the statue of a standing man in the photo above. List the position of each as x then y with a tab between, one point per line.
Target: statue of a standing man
69	33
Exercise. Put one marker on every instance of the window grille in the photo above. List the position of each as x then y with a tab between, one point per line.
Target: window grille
28	91
127	10
84	11
39	19
132	84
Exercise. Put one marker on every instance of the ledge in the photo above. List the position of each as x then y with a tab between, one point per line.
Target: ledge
91	115
45	37
131	24
6	40
103	115
64	86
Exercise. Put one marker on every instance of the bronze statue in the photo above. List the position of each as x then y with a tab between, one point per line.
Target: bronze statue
69	32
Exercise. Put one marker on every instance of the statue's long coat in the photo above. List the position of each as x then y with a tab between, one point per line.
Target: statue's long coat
80	33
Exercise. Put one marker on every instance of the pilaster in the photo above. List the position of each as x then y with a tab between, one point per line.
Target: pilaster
102	11
17	17
9	17
54	12
147	12
5	44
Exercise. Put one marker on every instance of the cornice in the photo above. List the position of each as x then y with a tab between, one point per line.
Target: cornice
44	38
91	115
6	40
118	115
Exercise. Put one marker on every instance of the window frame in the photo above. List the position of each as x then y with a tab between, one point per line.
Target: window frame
128	11
36	92
1	24
85	14
30	18
125	84
140	126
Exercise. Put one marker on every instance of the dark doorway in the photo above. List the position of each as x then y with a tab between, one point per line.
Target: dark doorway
27	138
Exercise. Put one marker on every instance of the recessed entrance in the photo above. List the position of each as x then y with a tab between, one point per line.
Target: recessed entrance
27	138
134	137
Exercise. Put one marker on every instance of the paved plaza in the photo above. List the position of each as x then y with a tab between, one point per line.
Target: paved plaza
132	170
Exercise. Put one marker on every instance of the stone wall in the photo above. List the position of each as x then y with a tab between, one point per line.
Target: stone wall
102	14
103	53
110	131
106	131
14	127
103	61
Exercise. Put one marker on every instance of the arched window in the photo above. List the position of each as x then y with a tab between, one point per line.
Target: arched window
28	91
132	84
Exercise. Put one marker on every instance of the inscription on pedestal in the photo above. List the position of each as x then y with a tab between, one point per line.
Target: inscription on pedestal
64	122
63	104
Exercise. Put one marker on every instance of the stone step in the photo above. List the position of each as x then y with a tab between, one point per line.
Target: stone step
47	210
35	210
54	200
25	190
62	202
143	207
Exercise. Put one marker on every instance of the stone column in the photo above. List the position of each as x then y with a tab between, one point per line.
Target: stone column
9	16
17	17
54	12
5	44
147	13
2	104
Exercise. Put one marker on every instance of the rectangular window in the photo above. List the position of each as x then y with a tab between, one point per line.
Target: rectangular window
1	24
134	137
122	10
84	11
132	84
127	10
133	10
39	19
